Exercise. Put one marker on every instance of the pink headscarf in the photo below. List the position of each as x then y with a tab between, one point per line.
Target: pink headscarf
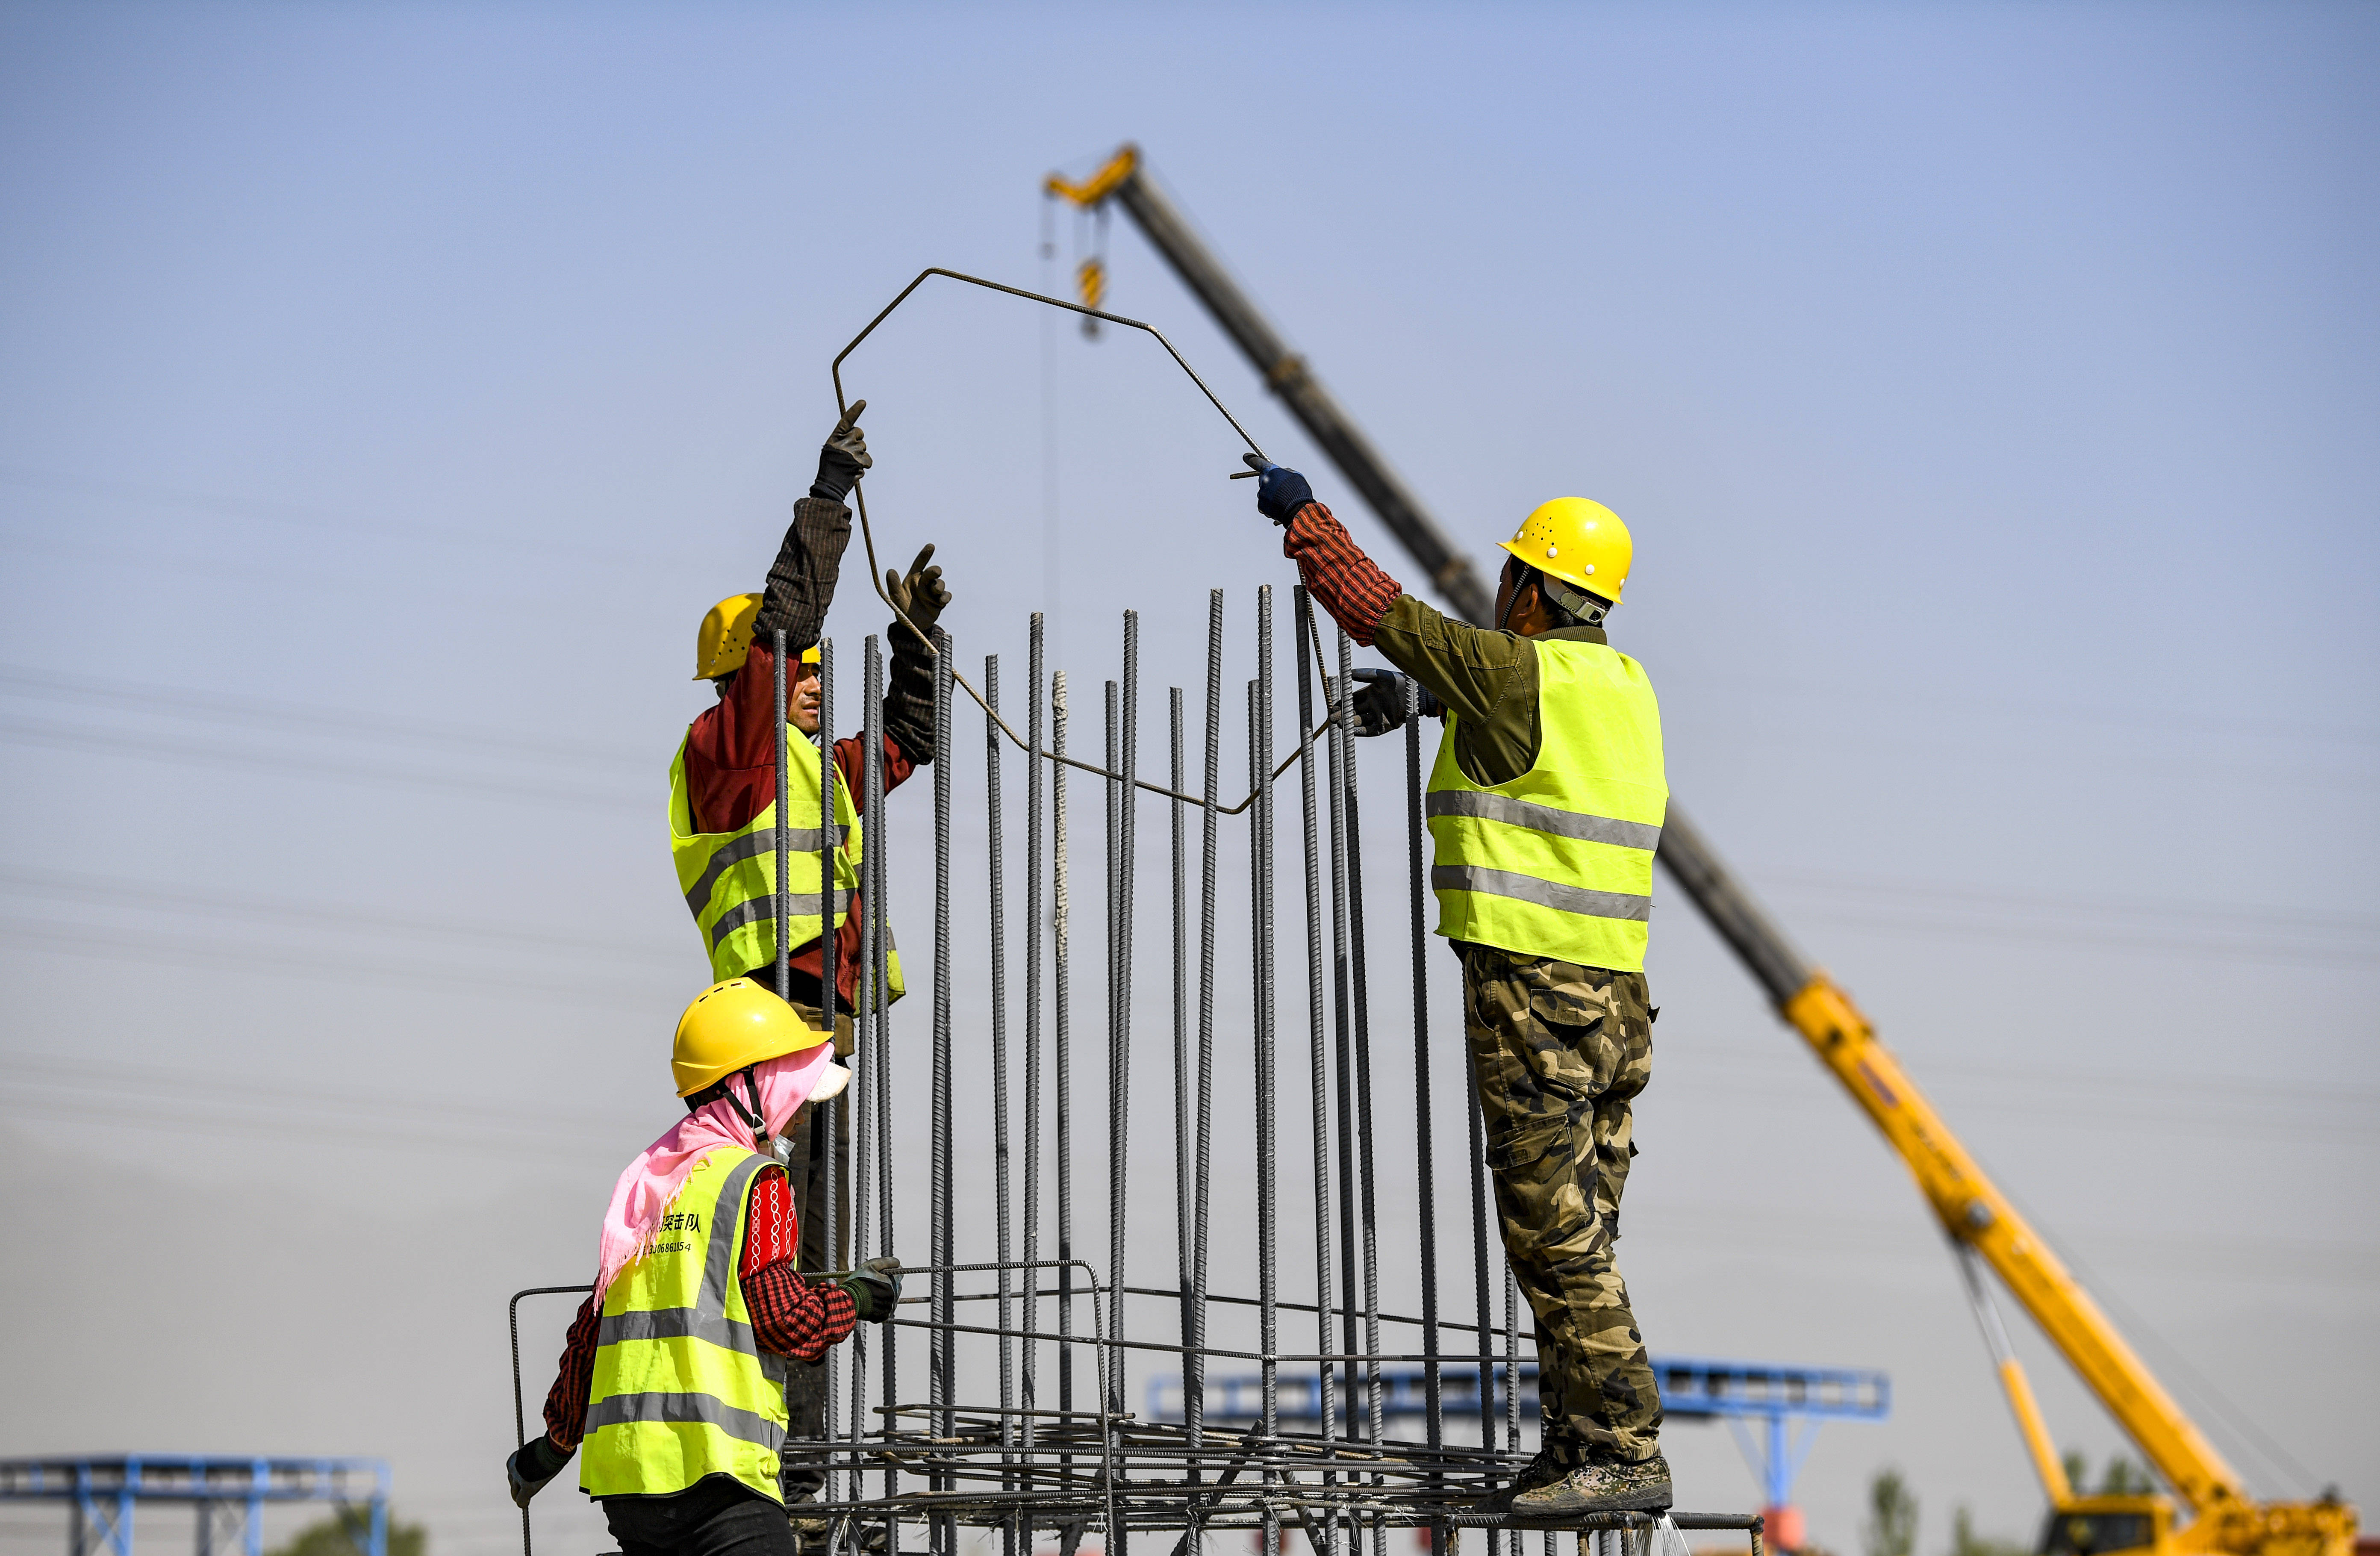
652	1180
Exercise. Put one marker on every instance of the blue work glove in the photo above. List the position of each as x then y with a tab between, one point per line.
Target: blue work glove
1281	491
532	1464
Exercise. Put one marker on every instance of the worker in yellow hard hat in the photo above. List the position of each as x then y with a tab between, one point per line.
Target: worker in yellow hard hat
1545	808
671	1379
723	809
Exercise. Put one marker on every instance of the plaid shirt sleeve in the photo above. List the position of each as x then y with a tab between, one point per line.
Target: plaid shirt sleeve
574	1377
795	1317
1344	581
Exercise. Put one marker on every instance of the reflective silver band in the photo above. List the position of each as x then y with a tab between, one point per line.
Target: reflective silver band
719	1257
1543	818
805	904
1543	893
751	846
710	1410
676	1323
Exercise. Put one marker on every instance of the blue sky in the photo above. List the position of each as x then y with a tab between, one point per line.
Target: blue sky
384	392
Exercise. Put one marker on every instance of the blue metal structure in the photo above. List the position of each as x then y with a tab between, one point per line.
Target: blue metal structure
1777	1397
229	1495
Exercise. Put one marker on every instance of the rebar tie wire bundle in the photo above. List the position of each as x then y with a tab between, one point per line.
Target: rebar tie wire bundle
1047	1460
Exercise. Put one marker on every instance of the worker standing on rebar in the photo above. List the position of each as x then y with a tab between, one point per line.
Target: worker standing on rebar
1544	806
672	1378
723	816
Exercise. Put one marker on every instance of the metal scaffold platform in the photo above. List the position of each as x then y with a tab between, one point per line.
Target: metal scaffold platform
1032	1300
227	1493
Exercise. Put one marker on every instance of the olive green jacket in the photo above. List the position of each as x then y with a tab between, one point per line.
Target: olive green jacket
1488	677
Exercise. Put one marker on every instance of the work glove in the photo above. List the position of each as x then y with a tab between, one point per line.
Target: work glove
1281	491
844	457
875	1289
922	595
1380	702
532	1464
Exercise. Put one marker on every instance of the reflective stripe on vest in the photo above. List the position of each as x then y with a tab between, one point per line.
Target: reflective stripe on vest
729	878
681	1389
1559	862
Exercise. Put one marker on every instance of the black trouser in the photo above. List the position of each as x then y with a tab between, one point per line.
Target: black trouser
716	1516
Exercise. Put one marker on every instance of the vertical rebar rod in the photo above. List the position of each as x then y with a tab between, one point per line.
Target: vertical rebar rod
1484	1317
1031	1356
1425	1169
867	1075
1374	1400
1062	990
1176	836
942	1231
785	827
830	942
995	872
1318	1044
1113	733
1342	1011
1511	1362
878	1059
1194	1391
1267	1193
1119	1082
1029	1394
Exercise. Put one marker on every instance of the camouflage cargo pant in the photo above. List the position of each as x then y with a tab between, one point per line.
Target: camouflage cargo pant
1560	1052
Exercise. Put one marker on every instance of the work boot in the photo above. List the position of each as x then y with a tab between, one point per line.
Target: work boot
1549	1465
1599	1485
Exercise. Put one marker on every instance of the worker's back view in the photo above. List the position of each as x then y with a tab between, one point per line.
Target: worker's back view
1545	805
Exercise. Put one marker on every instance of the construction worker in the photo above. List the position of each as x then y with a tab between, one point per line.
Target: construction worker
1544	806
672	1376
723	817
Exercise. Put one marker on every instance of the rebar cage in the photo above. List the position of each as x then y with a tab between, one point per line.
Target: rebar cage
1054	1453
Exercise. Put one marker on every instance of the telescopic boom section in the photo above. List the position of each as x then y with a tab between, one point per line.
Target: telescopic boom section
1973	1212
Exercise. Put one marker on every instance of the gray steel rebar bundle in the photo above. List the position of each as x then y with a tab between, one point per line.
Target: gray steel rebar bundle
1033	1462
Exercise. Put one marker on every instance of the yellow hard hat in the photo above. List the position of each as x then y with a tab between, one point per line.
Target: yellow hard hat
1581	542
724	641
733	1026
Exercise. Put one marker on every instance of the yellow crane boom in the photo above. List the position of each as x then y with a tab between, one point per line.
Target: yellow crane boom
1980	1223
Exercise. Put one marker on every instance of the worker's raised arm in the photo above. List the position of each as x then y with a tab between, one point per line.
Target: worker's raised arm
802	579
1469	669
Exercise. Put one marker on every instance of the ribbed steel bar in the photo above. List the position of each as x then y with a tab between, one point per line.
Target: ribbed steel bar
1062	991
1267	1191
1194	1384
996	879
1341	1023
1424	1165
943	1365
1360	979
830	943
1482	1319
1112	732
1318	1071
1119	1081
867	1076
1511	1361
785	801
878	1056
1177	825
1031	1357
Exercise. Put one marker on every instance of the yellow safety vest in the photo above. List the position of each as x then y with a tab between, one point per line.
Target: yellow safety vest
730	878
1559	862
681	1389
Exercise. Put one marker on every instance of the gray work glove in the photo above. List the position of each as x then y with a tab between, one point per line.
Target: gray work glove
1380	702
532	1464
844	457
921	596
875	1289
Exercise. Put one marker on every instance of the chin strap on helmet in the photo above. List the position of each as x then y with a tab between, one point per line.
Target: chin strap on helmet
754	1118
